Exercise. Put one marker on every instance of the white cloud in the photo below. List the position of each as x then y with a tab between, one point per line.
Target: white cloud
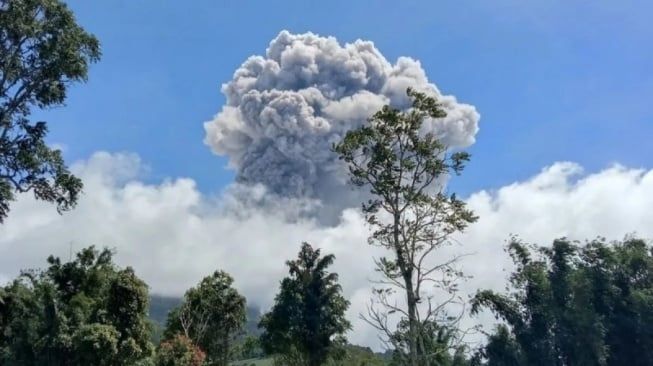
173	235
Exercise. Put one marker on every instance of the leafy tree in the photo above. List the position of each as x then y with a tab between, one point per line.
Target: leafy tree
501	350
212	315
307	321
410	214
96	344
84	312
440	345
179	351
42	51
127	305
574	305
249	347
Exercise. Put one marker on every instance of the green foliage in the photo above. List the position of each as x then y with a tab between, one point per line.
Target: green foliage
352	356
411	216
247	348
574	305
179	351
439	344
501	350
77	313
358	356
160	307
42	51
254	362
96	344
127	306
212	315
306	323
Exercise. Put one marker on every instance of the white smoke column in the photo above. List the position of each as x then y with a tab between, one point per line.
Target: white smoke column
285	110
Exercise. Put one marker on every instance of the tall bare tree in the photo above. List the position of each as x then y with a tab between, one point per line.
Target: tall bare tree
410	214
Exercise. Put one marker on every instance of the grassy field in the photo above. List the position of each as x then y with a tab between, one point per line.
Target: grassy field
253	362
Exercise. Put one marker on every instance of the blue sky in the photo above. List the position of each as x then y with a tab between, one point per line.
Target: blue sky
552	80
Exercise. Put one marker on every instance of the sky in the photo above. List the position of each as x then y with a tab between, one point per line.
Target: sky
552	98
553	80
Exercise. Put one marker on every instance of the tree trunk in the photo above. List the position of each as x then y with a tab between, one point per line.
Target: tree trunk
407	273
225	349
413	357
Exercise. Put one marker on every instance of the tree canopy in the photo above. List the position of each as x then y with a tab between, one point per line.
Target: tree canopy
574	304
211	315
307	322
83	312
42	51
179	351
411	215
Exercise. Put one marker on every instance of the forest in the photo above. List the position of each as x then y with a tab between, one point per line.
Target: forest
565	303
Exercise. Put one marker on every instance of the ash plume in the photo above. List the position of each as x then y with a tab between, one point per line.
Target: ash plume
284	111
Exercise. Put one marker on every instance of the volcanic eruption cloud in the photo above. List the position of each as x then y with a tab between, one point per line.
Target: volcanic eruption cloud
284	111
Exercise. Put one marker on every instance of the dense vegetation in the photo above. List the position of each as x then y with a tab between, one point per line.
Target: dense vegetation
83	312
566	304
574	304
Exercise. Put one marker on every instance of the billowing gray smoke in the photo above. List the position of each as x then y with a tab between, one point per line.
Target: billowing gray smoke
284	111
